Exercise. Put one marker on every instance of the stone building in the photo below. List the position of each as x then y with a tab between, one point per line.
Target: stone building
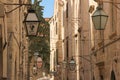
77	35
96	52
56	41
72	24
106	44
13	41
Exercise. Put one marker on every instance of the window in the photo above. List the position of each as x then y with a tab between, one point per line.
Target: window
113	76
67	49
57	56
56	28
67	10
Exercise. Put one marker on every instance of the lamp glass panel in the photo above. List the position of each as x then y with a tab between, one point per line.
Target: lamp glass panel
31	17
103	21
32	28
99	18
72	66
96	22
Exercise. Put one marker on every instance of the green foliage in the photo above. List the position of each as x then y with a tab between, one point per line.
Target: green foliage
40	43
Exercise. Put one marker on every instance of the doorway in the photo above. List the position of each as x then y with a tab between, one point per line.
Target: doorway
113	75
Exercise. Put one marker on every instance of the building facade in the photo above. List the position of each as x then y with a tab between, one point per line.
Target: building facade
56	41
96	52
71	19
106	45
13	50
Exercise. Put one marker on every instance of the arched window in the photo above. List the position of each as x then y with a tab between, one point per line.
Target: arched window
67	10
113	76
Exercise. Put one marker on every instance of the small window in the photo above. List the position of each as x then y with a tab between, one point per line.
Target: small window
57	56
67	10
56	28
67	49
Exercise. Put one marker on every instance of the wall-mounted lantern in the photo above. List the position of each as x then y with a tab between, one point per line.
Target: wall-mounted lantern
32	23
99	18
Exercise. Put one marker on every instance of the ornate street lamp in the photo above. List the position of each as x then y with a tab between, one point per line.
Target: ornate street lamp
99	18
31	22
72	64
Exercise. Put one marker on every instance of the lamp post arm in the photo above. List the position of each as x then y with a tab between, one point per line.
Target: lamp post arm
13	9
111	2
16	4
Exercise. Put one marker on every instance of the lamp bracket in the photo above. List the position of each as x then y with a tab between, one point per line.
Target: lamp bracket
18	6
111	2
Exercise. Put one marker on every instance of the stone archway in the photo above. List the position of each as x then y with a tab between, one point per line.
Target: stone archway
113	75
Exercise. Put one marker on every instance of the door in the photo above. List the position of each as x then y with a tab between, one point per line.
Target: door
113	76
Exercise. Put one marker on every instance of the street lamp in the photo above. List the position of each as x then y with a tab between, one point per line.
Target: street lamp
71	64
99	18
31	22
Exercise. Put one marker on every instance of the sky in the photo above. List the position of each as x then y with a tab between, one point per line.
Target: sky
48	8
